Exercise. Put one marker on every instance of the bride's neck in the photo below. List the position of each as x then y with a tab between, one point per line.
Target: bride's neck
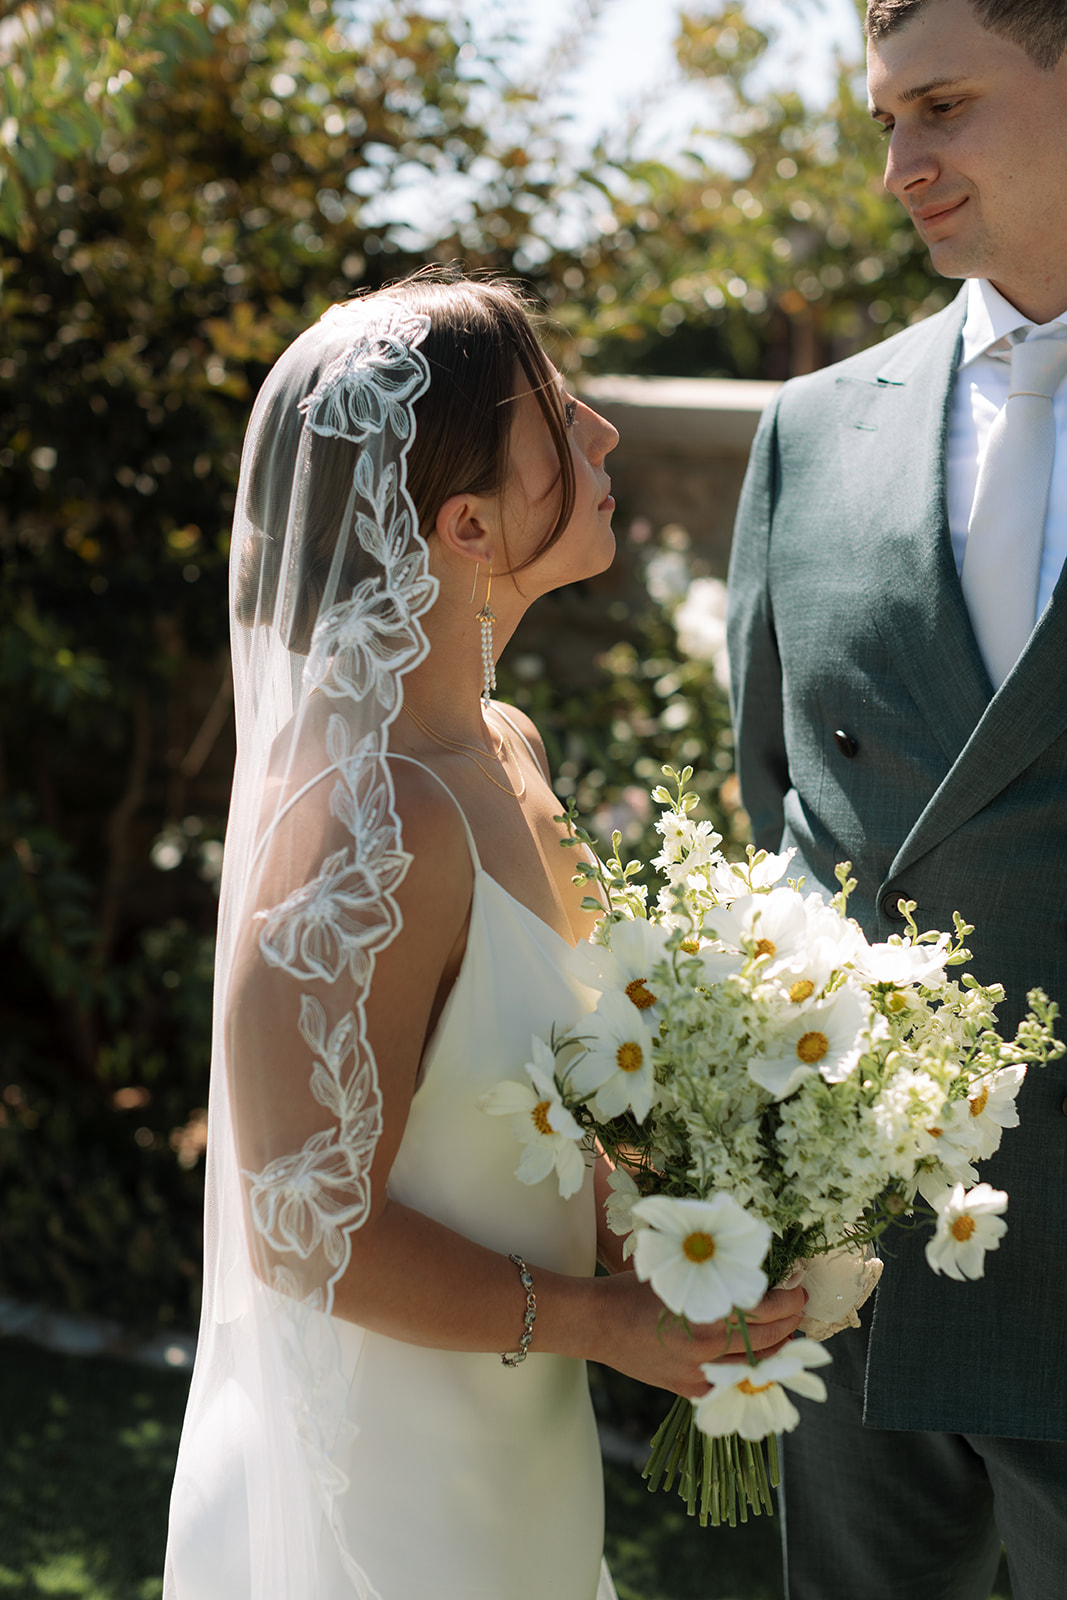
445	689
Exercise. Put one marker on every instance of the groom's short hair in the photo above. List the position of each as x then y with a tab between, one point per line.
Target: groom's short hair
1037	26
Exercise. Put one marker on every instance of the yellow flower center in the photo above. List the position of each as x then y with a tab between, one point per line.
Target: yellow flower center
895	1001
979	1103
746	1386
691	946
962	1228
641	995
811	1047
698	1246
766	947
803	989
629	1057
540	1116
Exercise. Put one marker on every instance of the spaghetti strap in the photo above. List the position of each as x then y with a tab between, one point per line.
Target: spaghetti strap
499	709
411	761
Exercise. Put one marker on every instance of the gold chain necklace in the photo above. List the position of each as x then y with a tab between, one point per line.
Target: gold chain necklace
471	752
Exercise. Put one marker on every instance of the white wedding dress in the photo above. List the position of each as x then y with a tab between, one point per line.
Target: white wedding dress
466	1479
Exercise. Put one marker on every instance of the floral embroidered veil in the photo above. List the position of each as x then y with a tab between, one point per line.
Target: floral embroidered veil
329	578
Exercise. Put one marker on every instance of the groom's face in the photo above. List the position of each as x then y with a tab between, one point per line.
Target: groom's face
977	151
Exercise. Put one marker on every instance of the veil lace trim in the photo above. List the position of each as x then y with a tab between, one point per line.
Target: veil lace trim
305	1204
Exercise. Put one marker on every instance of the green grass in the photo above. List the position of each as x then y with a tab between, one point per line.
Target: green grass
87	1449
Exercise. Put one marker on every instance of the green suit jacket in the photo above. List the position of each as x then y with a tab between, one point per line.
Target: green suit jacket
868	731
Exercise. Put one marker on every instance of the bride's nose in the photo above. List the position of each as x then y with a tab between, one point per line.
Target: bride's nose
601	436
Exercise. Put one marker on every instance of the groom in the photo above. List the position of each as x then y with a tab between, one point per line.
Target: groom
898	635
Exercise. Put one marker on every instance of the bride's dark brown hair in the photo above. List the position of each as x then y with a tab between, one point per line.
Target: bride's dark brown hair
481	336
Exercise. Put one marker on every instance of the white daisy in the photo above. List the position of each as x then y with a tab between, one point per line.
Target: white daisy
752	1401
968	1224
977	1123
625	963
702	1257
732	878
902	963
826	1038
541	1122
616	1068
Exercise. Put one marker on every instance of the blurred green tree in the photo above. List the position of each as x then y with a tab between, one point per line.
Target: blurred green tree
769	249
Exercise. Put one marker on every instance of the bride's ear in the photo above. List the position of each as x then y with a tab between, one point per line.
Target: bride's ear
465	527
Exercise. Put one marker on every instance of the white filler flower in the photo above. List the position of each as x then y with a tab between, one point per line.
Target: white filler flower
752	1401
702	1256
968	1224
541	1122
619	1209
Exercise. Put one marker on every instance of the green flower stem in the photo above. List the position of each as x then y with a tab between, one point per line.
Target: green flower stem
720	1479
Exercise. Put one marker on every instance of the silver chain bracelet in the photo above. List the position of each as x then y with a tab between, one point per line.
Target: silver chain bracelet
529	1315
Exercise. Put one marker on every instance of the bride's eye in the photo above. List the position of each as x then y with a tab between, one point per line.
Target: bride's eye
570	413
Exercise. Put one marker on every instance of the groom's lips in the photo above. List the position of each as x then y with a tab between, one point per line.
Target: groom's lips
929	216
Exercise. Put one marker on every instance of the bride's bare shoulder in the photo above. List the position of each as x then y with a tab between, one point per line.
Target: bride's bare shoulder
528	728
433	834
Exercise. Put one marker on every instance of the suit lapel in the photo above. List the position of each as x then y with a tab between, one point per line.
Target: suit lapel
1026	714
894	430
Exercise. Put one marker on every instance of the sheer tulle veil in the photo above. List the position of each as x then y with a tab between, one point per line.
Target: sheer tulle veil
329	578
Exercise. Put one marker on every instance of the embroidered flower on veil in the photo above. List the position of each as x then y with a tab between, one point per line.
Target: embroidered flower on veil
372	384
361	646
312	1197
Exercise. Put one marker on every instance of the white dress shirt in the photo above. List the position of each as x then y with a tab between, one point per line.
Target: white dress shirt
980	392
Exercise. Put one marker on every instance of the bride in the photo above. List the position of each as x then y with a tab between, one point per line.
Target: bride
390	1396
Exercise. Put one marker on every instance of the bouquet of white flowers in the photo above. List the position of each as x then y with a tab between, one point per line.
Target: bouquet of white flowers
772	1090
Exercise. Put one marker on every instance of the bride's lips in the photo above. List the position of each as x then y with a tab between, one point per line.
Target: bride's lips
608	502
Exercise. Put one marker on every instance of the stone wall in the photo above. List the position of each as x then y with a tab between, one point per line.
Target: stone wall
683	446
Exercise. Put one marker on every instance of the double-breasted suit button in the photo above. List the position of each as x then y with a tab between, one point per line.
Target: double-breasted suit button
845	743
891	905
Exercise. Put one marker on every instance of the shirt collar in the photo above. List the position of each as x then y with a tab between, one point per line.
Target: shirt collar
990	321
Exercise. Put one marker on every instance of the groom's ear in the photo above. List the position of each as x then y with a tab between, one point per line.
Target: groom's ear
464	527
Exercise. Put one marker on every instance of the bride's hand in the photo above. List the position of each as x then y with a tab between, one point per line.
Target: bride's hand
640	1337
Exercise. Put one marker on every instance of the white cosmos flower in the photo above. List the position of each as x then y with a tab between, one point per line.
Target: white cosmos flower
902	963
733	878
625	963
798	941
541	1122
827	1038
934	1180
752	1401
615	1073
968	1224
977	1123
702	1256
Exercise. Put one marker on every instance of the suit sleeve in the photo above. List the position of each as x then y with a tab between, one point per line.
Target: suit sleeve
755	667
